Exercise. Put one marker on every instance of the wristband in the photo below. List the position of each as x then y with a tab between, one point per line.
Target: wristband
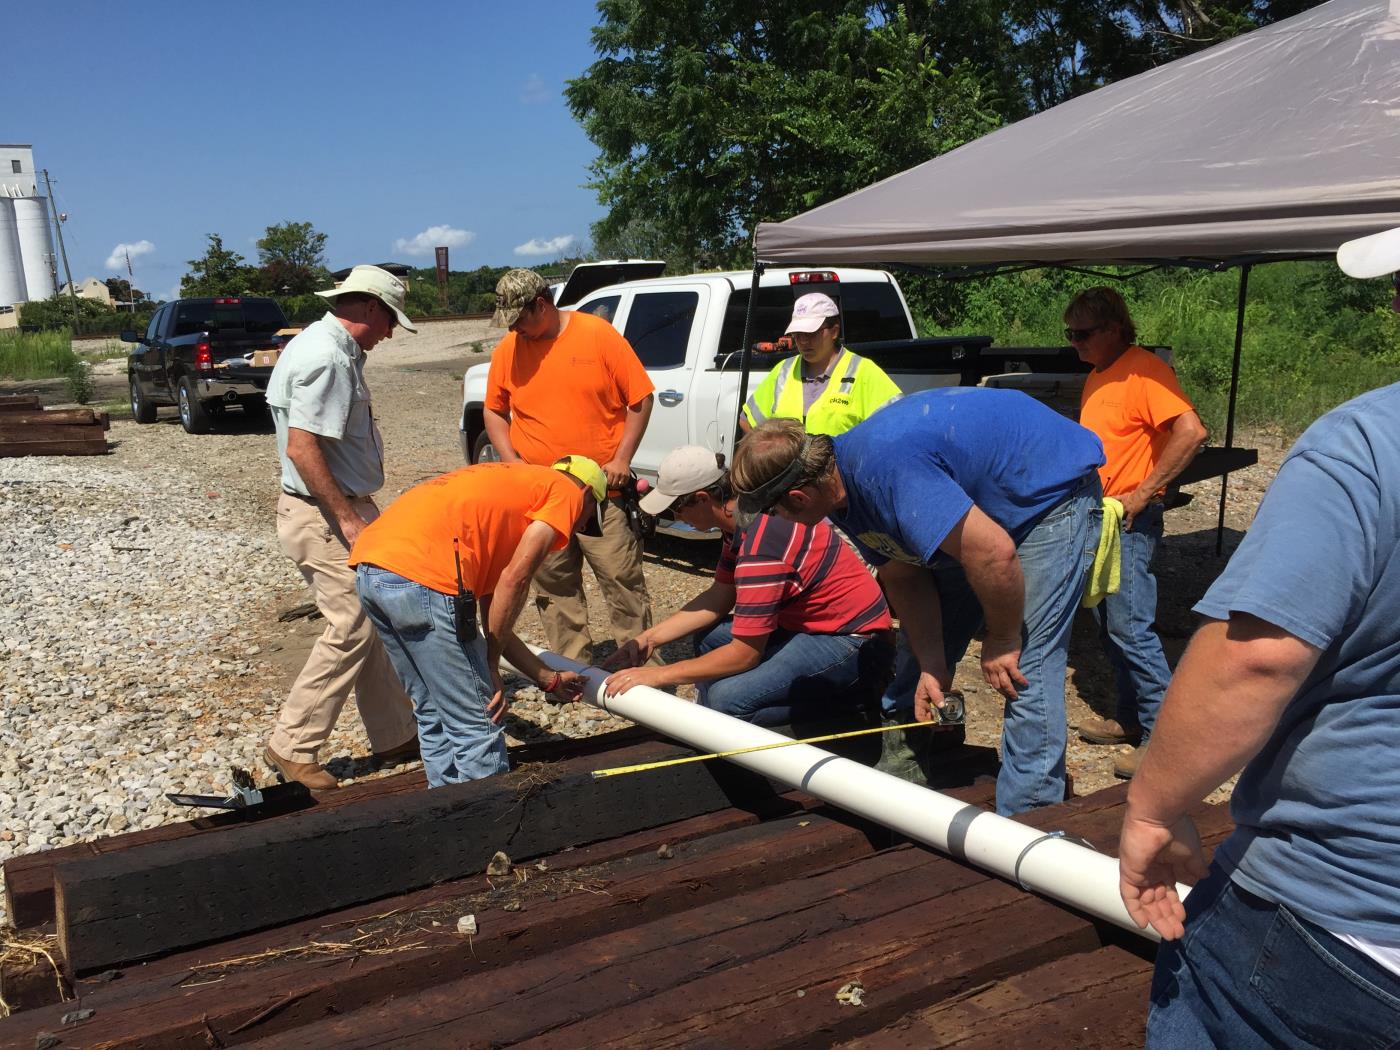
554	682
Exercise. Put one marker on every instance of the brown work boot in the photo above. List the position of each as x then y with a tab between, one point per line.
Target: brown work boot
405	752
310	774
1125	763
1107	731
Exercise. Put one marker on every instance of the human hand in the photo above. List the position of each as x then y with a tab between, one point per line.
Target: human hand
1001	664
497	706
619	472
569	685
1134	503
631	653
632	676
351	525
1152	859
928	696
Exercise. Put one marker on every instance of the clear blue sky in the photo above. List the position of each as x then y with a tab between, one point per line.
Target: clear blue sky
162	122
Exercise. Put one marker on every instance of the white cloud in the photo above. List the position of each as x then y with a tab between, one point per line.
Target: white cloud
555	246
434	237
534	92
117	260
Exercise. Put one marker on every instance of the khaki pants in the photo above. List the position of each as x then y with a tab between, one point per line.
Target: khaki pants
347	656
616	560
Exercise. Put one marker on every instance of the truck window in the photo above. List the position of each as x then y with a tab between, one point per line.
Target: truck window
870	311
658	327
256	316
153	329
606	307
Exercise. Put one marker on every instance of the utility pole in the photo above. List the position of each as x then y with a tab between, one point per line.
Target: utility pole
58	227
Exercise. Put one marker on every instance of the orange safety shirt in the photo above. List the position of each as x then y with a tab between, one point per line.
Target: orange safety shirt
485	508
568	395
1130	405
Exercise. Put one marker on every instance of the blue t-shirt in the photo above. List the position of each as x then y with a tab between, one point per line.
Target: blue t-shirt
914	469
1318	809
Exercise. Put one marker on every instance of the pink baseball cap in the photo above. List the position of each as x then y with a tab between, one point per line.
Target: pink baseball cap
811	311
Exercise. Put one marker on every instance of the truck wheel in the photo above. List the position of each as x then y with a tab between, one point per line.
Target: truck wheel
141	410
483	451
194	417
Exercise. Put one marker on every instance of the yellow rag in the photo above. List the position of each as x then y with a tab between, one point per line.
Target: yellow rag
1106	571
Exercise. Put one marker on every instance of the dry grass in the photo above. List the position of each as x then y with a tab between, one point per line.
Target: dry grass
22	951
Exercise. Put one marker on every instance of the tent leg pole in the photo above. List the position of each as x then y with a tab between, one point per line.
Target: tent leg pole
1230	411
746	357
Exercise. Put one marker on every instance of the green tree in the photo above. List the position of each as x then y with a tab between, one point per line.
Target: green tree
292	258
219	271
713	116
122	292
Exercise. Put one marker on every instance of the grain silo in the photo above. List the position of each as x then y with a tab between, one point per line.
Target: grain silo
36	246
12	286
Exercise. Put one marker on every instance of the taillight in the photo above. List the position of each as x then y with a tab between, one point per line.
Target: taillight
227	302
203	357
814	277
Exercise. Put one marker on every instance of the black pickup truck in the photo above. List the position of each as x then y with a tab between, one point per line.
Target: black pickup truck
205	355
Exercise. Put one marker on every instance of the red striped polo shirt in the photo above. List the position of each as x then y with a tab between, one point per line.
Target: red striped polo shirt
800	578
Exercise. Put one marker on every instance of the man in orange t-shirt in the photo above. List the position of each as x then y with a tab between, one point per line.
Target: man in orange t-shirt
1150	432
472	537
569	382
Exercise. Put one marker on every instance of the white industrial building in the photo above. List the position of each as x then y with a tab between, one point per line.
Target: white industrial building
27	266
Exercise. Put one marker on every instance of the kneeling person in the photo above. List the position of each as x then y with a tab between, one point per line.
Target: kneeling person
475	535
793	628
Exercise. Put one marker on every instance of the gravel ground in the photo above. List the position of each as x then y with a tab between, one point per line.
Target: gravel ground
140	646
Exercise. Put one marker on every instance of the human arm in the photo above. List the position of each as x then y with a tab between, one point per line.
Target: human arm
1187	432
305	451
504	608
703	611
619	468
734	657
913	594
498	430
988	557
1231	688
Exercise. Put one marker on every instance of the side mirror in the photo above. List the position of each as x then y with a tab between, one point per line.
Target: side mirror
131	337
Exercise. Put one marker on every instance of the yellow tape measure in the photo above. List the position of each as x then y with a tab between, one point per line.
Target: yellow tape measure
598	774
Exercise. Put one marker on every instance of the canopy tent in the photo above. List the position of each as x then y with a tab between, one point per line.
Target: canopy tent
1281	143
1278	144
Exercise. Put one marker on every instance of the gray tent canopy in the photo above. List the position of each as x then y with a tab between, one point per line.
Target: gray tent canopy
1281	143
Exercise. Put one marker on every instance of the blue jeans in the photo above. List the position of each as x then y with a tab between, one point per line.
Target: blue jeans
1249	973
1055	557
802	677
1125	622
449	682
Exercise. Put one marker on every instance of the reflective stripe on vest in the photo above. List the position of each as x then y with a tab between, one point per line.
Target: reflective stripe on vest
793	408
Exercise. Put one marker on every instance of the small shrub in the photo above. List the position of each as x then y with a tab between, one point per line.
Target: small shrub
78	380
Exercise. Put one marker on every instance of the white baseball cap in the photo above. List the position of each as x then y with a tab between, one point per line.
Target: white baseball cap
811	311
1373	256
384	286
687	469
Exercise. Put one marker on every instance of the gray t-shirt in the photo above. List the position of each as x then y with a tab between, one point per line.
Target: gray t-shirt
318	385
1318	809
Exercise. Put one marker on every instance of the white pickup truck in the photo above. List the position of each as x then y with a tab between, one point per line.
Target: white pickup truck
688	332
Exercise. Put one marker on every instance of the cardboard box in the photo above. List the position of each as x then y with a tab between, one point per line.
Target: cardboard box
266	358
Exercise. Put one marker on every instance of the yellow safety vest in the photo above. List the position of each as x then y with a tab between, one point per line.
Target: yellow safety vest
855	390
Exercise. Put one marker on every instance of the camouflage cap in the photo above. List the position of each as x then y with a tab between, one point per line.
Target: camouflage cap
515	291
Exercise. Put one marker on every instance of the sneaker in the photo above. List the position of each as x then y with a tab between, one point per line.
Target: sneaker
309	774
405	752
1125	763
1107	731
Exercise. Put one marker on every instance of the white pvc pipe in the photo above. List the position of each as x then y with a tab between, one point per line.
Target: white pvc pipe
1050	865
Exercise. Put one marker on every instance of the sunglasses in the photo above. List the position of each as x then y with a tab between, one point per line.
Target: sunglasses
1078	335
685	502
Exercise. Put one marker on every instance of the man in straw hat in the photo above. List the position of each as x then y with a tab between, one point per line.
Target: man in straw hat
332	465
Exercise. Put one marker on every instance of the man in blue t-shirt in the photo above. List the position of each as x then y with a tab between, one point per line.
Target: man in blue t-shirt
1294	936
981	510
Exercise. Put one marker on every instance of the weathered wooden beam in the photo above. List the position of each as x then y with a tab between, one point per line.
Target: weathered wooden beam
913	926
28	879
1091	1001
57	417
168	895
20	403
